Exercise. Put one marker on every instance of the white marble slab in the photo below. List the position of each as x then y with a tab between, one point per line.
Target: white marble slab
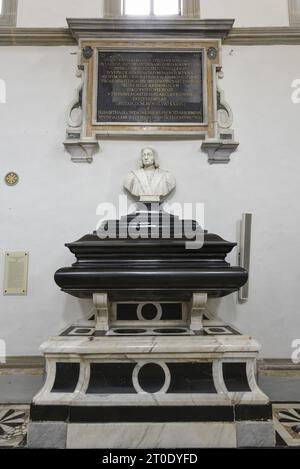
150	344
151	435
218	350
137	400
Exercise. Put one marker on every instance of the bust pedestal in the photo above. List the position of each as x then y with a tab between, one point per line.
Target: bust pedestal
152	368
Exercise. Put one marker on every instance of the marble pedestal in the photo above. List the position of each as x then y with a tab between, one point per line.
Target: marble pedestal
154	387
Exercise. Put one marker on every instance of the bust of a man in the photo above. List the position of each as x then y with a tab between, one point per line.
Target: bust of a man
149	183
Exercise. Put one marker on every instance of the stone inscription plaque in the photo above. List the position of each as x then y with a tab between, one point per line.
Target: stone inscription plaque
150	87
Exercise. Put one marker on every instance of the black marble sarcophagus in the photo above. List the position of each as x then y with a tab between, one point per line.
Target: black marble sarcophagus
159	267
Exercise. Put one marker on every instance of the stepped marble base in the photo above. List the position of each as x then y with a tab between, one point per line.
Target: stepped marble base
56	435
218	427
167	389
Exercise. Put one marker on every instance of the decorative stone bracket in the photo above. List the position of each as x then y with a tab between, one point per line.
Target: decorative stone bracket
198	308
219	151
81	148
81	151
102	316
220	148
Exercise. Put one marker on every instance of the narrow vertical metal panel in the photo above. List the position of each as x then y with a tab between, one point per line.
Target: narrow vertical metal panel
245	251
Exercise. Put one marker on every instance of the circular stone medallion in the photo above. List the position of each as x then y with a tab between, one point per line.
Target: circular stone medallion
11	178
149	311
151	378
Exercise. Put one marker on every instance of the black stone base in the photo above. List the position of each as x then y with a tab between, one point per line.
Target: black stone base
100	414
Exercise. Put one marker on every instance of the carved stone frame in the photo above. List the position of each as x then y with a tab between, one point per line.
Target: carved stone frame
83	133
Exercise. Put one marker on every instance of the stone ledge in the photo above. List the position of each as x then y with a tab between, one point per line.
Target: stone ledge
263	36
23	362
36	37
63	37
37	361
86	28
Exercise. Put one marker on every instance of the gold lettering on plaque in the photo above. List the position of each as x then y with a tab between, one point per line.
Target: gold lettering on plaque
150	87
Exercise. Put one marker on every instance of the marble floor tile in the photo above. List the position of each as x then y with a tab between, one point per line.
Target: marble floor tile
13	426
287	423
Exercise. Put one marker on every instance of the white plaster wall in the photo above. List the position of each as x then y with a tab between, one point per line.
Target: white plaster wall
55	201
248	13
52	13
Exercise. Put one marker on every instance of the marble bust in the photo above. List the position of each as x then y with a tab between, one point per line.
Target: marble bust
149	183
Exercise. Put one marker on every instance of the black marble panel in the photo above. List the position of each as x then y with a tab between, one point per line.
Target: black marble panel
150	87
152	414
149	311
127	312
67	331
280	443
216	330
170	311
220	330
111	378
80	331
165	331
151	377
235	377
86	414
191	378
66	378
49	413
253	412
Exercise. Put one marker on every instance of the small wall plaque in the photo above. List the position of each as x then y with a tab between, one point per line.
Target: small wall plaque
16	273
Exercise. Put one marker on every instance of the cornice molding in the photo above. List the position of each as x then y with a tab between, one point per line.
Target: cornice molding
279	365
36	37
63	37
264	36
90	28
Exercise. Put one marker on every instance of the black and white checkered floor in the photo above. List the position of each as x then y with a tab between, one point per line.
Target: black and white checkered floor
14	421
